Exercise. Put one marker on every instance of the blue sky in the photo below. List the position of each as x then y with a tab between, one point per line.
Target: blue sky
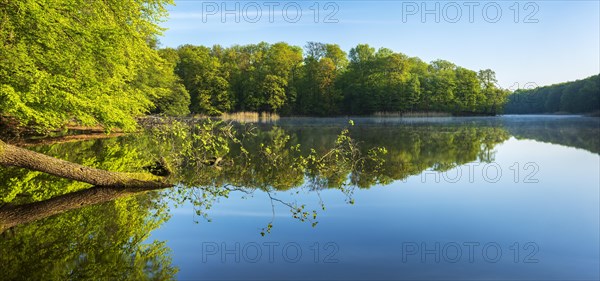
546	42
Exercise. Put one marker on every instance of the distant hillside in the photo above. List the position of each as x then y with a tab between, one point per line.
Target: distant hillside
581	96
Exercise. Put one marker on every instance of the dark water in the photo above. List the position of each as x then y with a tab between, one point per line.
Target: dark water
456	198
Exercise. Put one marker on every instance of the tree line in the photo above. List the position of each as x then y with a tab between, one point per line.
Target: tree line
99	63
581	96
323	80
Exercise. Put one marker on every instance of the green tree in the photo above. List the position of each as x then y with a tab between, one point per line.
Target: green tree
273	91
202	77
495	98
280	70
63	61
440	86
318	93
355	82
468	91
337	56
163	87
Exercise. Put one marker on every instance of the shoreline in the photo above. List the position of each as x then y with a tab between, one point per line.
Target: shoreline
26	137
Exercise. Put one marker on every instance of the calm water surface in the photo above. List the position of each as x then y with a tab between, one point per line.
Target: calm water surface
458	198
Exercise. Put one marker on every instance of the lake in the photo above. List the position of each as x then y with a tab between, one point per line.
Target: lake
510	197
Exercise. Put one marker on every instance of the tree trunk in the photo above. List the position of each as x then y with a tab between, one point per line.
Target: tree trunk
11	216
18	157
64	139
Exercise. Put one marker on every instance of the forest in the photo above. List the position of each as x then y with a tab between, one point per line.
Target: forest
323	80
100	63
581	96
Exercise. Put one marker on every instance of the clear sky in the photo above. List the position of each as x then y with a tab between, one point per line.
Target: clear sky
541	42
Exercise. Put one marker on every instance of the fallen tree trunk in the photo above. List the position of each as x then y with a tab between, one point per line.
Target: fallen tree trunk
11	155
64	139
11	216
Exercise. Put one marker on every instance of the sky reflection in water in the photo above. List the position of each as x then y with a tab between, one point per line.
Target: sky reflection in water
413	228
473	220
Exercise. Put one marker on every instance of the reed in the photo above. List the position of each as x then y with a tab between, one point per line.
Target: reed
412	114
250	117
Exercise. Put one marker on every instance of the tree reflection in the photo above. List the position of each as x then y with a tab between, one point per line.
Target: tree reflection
212	159
104	241
93	236
576	132
69	230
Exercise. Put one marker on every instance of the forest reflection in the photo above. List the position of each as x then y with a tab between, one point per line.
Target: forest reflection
98	233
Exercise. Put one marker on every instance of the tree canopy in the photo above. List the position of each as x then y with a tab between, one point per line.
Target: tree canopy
323	80
581	96
88	62
99	63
